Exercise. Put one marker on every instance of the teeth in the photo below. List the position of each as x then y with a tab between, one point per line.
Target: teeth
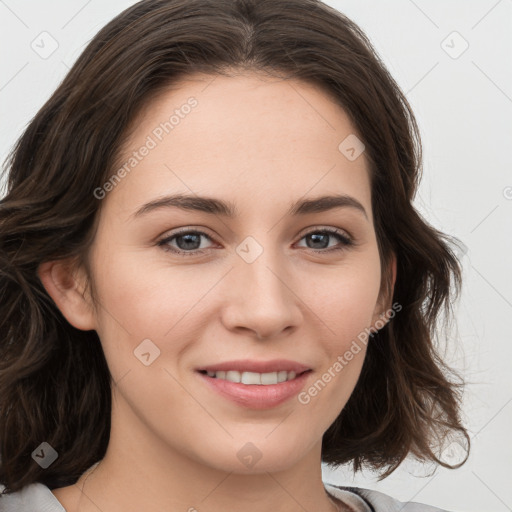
269	378
251	378
281	376
233	376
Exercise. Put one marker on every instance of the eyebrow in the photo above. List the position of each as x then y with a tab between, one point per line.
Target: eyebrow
215	206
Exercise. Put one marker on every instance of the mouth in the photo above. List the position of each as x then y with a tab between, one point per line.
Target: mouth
254	378
256	385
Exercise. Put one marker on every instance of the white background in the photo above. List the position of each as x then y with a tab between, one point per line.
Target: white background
464	109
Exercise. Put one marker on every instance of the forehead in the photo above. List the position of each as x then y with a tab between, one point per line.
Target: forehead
262	139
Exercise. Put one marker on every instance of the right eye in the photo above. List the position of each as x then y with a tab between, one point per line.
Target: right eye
188	242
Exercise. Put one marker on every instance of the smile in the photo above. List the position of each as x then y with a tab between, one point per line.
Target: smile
255	390
252	378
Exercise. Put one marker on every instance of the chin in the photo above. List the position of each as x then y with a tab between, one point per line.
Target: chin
259	455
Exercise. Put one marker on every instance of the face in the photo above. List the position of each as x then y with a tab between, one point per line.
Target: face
255	278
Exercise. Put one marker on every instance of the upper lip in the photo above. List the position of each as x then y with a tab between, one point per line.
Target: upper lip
247	365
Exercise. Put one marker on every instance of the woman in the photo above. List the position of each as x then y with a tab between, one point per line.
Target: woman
213	277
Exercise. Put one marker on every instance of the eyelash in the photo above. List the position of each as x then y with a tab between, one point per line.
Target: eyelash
344	239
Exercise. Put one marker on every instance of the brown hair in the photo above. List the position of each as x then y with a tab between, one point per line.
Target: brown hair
55	384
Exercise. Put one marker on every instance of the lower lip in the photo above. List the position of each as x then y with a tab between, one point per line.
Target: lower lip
256	396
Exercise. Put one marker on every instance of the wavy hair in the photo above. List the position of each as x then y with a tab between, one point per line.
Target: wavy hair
55	384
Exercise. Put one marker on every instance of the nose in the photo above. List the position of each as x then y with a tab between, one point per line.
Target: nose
261	299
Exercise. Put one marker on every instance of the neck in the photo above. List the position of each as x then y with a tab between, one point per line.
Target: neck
138	465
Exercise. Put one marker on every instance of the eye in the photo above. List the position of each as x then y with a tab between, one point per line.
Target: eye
319	240
188	242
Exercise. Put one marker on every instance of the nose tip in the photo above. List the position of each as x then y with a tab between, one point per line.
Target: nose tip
262	302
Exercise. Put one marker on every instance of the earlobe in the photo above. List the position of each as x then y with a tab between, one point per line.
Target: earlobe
67	291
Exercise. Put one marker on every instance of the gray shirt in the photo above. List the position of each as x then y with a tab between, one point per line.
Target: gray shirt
37	497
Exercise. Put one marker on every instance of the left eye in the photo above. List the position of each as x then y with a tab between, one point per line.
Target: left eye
322	236
189	242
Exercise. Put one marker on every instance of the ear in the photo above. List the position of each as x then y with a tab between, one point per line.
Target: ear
385	300
65	283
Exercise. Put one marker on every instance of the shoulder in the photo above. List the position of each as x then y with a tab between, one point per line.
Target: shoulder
375	501
35	497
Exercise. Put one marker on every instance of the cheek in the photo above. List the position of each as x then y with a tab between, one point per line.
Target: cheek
345	301
139	300
147	295
344	321
345	309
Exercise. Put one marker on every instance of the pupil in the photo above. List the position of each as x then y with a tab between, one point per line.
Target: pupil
188	237
316	237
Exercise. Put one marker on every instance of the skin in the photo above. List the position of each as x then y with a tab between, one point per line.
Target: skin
260	143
